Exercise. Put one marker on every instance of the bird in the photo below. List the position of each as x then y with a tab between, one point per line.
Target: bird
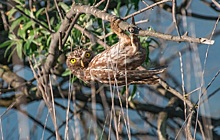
120	64
127	53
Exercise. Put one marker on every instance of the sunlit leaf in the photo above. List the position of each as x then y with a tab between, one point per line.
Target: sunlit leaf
16	23
133	93
21	33
12	37
66	72
39	11
19	48
11	13
64	6
9	49
28	24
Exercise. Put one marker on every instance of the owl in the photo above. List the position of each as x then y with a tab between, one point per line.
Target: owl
126	54
121	63
79	62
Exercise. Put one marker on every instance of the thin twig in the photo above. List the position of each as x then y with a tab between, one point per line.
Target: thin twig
67	33
106	6
176	93
183	84
4	19
216	3
48	19
58	9
145	9
174	17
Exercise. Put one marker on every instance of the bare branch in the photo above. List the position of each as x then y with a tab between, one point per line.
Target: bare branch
182	38
12	79
126	26
175	93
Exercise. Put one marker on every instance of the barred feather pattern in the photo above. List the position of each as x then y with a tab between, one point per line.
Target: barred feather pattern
109	75
118	64
126	54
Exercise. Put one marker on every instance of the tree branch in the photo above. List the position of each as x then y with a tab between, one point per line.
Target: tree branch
12	79
126	26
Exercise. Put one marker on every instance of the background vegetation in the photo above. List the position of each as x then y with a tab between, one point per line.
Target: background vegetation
40	99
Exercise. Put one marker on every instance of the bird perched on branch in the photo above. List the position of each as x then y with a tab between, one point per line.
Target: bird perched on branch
121	63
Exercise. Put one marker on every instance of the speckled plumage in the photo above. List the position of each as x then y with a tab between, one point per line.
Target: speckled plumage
118	64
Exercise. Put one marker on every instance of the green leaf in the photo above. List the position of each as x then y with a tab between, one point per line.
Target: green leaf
64	6
12	37
117	10
21	33
31	33
135	3
66	72
28	24
48	41
39	11
74	79
27	45
16	23
133	94
5	44
11	51
19	48
123	90
11	13
129	8
28	12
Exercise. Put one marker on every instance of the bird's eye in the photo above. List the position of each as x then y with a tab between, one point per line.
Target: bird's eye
73	60
88	54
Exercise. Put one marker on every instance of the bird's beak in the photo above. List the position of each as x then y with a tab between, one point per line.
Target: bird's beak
82	64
